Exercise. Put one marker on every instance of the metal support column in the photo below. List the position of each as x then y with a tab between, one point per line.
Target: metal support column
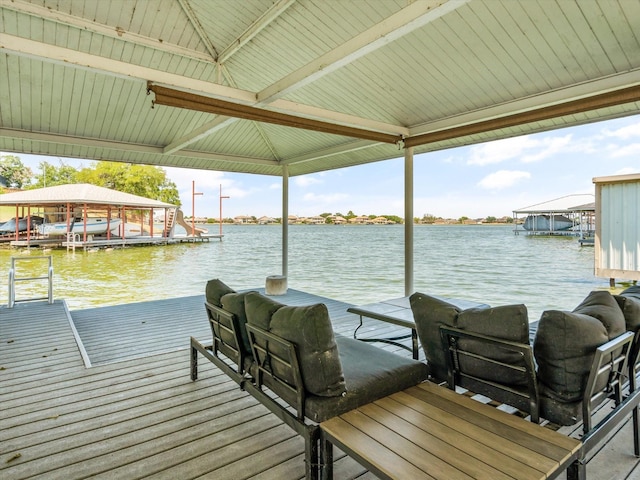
285	220
408	221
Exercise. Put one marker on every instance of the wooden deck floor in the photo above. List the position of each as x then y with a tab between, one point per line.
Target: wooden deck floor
143	417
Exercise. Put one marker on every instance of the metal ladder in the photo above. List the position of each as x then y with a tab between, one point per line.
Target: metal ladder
13	278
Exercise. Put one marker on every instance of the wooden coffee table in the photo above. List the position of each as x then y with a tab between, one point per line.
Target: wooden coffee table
429	431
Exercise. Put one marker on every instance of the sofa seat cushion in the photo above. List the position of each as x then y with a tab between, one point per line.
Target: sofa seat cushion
565	344
429	313
215	290
559	412
234	303
370	373
506	322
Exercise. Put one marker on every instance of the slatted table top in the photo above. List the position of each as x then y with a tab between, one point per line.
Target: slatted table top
429	431
398	310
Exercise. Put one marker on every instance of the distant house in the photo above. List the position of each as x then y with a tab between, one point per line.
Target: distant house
317	220
338	220
293	219
362	220
243	220
381	221
266	221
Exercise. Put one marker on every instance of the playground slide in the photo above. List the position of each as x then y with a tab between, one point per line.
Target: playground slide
187	226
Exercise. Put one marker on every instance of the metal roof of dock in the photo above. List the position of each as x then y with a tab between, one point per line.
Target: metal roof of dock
568	203
80	193
310	85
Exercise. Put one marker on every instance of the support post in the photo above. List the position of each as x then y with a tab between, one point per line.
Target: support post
221	198
408	221
285	220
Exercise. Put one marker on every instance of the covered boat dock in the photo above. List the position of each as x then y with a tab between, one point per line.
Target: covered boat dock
127	219
284	88
572	215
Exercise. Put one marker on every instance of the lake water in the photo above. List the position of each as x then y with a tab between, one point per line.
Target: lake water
355	264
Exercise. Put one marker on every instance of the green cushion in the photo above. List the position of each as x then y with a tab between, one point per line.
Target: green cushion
260	309
507	322
630	307
429	313
215	290
565	344
234	303
600	304
370	373
310	329
633	291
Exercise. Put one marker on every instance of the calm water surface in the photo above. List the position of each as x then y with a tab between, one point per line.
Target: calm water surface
355	264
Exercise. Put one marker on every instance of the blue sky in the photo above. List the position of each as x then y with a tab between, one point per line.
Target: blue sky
492	178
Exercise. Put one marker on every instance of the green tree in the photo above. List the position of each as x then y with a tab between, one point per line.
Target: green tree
143	180
428	218
463	219
490	219
12	168
51	175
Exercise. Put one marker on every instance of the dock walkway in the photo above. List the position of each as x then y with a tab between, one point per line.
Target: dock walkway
143	417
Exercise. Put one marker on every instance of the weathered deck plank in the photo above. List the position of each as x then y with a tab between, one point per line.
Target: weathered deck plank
145	418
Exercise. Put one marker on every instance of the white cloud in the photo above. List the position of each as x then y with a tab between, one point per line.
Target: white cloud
526	149
633	149
548	147
503	179
501	150
626	171
624	133
306	180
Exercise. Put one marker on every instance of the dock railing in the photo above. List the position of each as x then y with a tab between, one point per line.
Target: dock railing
13	278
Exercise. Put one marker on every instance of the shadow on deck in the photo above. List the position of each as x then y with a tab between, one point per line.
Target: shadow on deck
136	414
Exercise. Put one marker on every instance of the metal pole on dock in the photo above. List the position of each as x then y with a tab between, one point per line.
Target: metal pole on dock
193	207
221	197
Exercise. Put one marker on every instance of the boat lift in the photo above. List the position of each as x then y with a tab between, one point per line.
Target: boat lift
13	278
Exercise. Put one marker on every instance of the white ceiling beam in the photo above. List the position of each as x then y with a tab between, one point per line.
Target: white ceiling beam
107	66
255	28
329	152
198	134
38	11
195	23
128	147
546	99
410	18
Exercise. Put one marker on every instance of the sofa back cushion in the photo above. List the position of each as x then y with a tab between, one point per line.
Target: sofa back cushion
506	322
309	329
429	313
565	344
234	303
629	302
260	309
215	290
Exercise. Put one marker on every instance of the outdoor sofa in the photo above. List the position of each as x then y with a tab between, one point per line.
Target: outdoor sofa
290	360
576	361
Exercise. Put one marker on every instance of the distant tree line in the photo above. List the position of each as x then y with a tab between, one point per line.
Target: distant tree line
143	180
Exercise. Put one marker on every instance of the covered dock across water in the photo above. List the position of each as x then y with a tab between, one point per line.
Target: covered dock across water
129	219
